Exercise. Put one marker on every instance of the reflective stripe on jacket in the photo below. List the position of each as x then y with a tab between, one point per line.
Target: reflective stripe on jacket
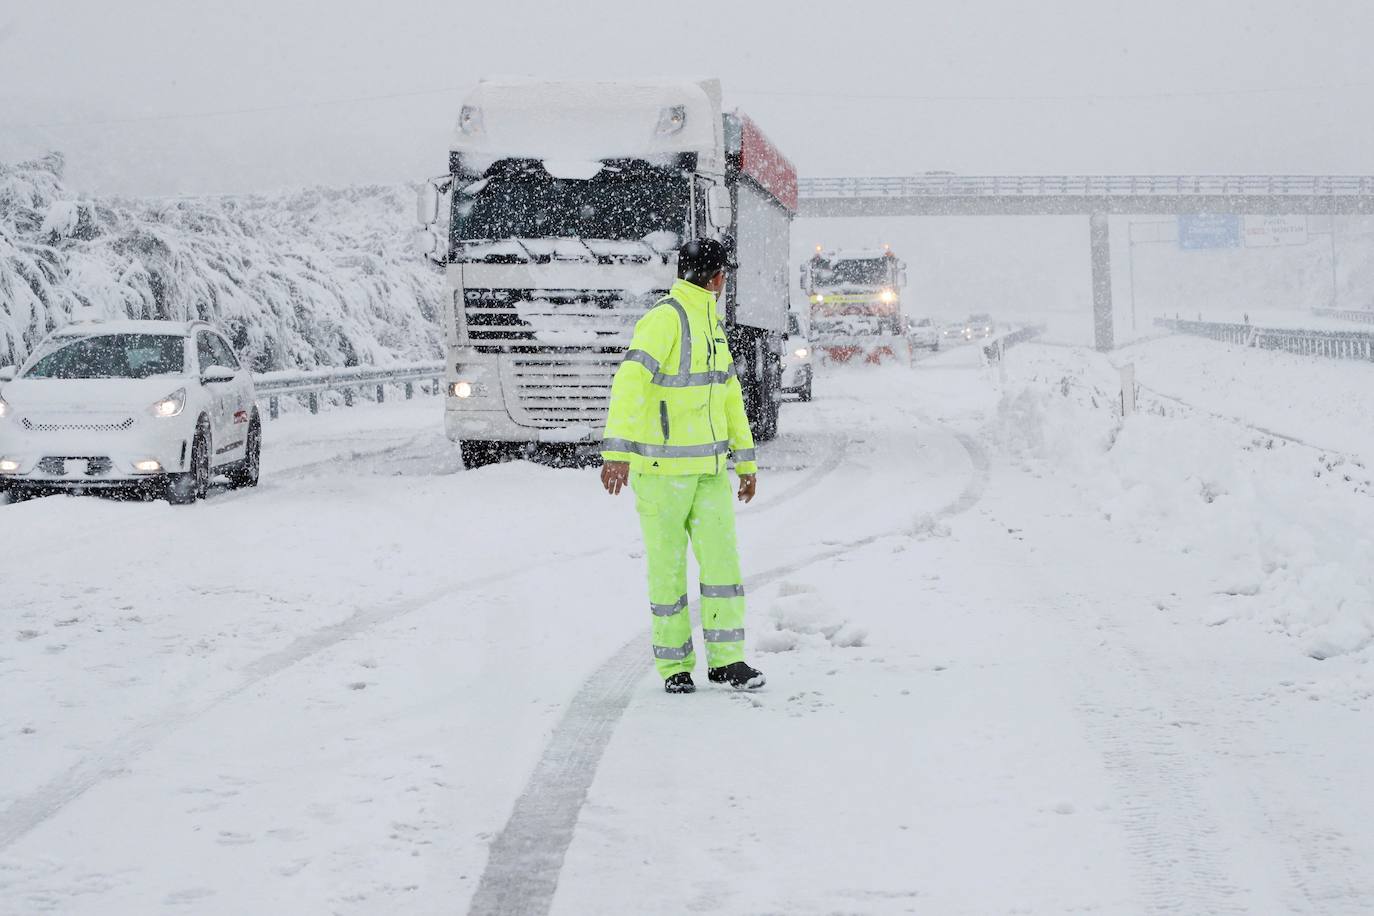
676	403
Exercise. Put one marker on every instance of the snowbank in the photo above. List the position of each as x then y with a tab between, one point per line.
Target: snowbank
301	280
1284	528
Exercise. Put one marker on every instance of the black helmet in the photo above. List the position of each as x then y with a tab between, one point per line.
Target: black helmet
701	259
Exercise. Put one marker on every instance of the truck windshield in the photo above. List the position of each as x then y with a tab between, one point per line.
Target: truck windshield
861	272
522	201
110	356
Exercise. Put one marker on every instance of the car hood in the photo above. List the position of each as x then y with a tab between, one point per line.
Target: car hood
89	395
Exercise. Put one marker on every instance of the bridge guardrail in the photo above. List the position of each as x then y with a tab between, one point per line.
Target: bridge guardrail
1321	344
272	385
1088	186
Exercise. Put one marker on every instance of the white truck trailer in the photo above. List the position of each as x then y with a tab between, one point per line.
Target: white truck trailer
558	224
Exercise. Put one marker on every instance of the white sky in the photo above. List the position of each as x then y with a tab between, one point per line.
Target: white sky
893	87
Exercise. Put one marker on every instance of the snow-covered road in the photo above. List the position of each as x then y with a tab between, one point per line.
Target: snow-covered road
1012	668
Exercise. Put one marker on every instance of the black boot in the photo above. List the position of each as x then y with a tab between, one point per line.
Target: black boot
680	683
738	675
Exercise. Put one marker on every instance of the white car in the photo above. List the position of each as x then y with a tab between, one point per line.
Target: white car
797	368
157	407
923	333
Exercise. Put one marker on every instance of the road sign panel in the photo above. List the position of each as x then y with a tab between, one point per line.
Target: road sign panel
1208	230
1269	231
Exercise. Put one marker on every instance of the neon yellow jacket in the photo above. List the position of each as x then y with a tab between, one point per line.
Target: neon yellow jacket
676	404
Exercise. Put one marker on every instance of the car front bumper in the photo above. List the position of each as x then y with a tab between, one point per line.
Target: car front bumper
97	453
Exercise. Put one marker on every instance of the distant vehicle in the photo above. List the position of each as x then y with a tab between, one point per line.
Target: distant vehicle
797	367
979	326
923	334
566	205
955	333
155	407
856	303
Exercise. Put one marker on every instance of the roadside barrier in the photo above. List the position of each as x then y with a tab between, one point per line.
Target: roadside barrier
1365	315
1322	344
994	348
272	385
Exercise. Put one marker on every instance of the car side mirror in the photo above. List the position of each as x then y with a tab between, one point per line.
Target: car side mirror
7	374
216	375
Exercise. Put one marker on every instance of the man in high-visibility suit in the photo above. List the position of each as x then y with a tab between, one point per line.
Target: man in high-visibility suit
677	414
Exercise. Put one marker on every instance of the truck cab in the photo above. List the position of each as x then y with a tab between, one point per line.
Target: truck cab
558	226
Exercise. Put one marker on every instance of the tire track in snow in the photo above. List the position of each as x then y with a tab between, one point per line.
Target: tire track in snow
525	859
27	812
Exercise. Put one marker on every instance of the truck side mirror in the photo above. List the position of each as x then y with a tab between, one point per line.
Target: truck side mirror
719	211
7	374
427	204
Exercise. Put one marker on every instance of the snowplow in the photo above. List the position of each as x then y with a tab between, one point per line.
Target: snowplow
558	226
856	305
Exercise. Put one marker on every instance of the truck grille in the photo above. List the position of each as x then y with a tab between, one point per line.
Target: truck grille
559	390
553	321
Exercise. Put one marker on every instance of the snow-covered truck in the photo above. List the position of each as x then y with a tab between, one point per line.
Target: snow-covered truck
558	225
856	303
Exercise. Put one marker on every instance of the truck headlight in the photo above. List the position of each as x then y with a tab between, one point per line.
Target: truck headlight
466	389
470	120
148	466
671	120
801	352
887	296
8	466
170	406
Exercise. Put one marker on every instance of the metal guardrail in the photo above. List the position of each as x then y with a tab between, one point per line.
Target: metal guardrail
1323	344
1365	315
273	385
994	348
1089	186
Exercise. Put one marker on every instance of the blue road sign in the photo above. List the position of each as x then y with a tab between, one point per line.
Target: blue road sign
1208	230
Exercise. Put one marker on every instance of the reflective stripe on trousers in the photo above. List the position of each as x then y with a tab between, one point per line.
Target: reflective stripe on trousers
674	653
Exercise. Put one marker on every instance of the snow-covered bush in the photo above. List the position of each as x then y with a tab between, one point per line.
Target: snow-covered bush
310	278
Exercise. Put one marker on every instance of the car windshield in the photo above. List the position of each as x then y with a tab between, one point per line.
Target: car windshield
857	272
520	200
110	356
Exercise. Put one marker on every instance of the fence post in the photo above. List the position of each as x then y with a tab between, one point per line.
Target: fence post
348	397
273	407
381	393
410	390
1128	389
314	402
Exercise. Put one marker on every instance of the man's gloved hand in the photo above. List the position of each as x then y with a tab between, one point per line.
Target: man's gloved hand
748	483
614	475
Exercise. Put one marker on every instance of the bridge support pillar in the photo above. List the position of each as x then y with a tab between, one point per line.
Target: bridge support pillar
1099	240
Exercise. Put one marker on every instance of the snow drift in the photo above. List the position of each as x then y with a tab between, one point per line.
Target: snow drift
1284	527
300	280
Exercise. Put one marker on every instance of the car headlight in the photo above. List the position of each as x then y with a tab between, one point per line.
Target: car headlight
170	406
8	466
887	296
801	352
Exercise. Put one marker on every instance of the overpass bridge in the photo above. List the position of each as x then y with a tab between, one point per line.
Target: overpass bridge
1094	196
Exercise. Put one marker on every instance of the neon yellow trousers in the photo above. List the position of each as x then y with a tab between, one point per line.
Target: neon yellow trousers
674	510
